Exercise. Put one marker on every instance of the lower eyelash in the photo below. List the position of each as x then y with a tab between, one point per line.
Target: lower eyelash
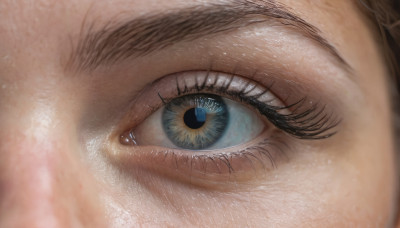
241	163
264	155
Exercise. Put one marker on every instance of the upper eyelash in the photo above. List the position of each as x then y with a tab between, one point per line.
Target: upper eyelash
312	123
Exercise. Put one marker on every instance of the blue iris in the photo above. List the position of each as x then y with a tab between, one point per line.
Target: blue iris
195	122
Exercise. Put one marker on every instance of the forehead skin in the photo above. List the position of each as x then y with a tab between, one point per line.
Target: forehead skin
36	38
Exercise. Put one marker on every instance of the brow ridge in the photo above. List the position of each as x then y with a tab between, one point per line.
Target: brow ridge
141	36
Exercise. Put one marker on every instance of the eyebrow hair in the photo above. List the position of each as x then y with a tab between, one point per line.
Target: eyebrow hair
140	36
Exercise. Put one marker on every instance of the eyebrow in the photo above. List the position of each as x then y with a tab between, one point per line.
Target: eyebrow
141	36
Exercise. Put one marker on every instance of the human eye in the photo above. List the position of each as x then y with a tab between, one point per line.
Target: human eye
214	126
200	121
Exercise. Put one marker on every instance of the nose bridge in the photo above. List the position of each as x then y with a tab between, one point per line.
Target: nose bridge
42	182
29	157
27	184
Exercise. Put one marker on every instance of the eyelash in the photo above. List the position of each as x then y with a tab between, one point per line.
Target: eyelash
267	149
300	119
312	123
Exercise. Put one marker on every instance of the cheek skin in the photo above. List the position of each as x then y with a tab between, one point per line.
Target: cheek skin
316	190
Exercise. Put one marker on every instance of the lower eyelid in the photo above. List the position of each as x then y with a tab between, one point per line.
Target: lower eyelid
241	163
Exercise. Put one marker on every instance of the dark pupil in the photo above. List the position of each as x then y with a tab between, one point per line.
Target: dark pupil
195	118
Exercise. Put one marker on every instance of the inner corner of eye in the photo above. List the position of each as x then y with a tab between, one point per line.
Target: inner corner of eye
127	138
198	122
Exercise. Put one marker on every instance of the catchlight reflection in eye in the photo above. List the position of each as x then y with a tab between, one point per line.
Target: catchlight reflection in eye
200	122
195	122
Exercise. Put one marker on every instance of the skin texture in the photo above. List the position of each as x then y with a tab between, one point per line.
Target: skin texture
62	164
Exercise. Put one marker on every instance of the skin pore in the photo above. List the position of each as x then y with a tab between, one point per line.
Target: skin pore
62	160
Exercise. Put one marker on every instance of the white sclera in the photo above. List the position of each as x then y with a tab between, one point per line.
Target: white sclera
244	125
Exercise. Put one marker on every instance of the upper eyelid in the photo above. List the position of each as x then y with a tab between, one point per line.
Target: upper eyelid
200	82
148	100
313	123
